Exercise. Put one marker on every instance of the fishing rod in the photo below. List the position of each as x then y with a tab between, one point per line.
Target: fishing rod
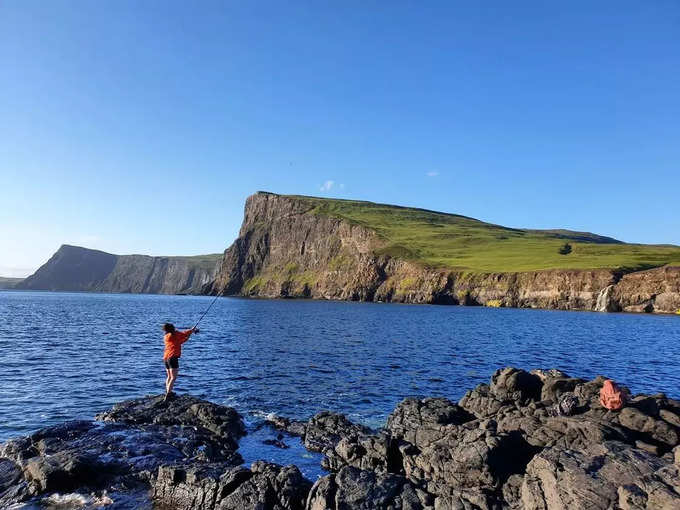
206	310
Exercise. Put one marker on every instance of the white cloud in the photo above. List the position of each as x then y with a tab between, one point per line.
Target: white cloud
326	186
432	173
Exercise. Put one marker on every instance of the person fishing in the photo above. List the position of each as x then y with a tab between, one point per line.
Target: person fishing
173	350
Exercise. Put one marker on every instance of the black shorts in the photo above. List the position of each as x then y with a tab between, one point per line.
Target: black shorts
172	362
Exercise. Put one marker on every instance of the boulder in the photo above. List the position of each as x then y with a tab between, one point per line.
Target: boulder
65	471
421	422
471	459
659	490
353	488
482	402
516	384
13	487
560	478
326	429
649	428
263	486
554	387
293	427
86	456
376	452
222	422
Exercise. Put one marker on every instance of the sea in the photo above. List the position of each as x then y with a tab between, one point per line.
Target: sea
67	356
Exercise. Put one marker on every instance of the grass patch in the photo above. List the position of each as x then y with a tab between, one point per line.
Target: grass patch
407	284
309	278
340	262
450	241
253	284
205	262
290	268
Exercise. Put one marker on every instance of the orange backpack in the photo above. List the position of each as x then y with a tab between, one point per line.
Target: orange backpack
611	396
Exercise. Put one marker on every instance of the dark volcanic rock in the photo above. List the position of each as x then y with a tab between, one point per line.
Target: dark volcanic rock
223	424
377	452
13	487
326	429
516	384
364	490
589	478
293	427
422	421
344	443
85	455
504	446
263	486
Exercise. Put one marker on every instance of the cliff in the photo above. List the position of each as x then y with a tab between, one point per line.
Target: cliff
291	246
73	268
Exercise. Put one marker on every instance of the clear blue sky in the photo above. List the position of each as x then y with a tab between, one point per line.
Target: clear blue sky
141	127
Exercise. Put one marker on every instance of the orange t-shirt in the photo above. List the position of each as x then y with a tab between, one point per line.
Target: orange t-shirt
173	343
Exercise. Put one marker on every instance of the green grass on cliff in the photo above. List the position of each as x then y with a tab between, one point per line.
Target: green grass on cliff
205	262
457	242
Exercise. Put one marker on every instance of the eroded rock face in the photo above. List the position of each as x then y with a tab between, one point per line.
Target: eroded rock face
655	290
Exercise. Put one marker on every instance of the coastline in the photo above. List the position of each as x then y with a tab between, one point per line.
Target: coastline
289	247
503	445
325	299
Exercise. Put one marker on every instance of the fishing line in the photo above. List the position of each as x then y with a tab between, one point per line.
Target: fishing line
207	310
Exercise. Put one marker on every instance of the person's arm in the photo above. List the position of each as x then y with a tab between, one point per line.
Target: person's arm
186	334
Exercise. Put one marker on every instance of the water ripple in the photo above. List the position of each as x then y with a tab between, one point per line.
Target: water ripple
70	355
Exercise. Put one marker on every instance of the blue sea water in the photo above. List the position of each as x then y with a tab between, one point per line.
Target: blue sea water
70	355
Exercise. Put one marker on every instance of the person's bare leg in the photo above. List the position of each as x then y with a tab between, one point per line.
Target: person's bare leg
173	378
167	380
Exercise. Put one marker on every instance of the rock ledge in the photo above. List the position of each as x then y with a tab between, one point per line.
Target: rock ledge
509	444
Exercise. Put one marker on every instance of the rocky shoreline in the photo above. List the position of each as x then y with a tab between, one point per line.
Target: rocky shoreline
504	445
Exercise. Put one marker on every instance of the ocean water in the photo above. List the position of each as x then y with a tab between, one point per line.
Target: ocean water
70	355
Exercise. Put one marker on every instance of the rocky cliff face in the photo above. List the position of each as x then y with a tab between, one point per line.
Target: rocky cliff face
286	249
73	268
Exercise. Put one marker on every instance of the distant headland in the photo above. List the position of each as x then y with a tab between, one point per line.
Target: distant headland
305	247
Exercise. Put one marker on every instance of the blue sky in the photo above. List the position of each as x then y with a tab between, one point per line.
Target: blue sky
143	128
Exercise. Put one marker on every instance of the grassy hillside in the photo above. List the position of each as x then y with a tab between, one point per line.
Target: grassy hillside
458	242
